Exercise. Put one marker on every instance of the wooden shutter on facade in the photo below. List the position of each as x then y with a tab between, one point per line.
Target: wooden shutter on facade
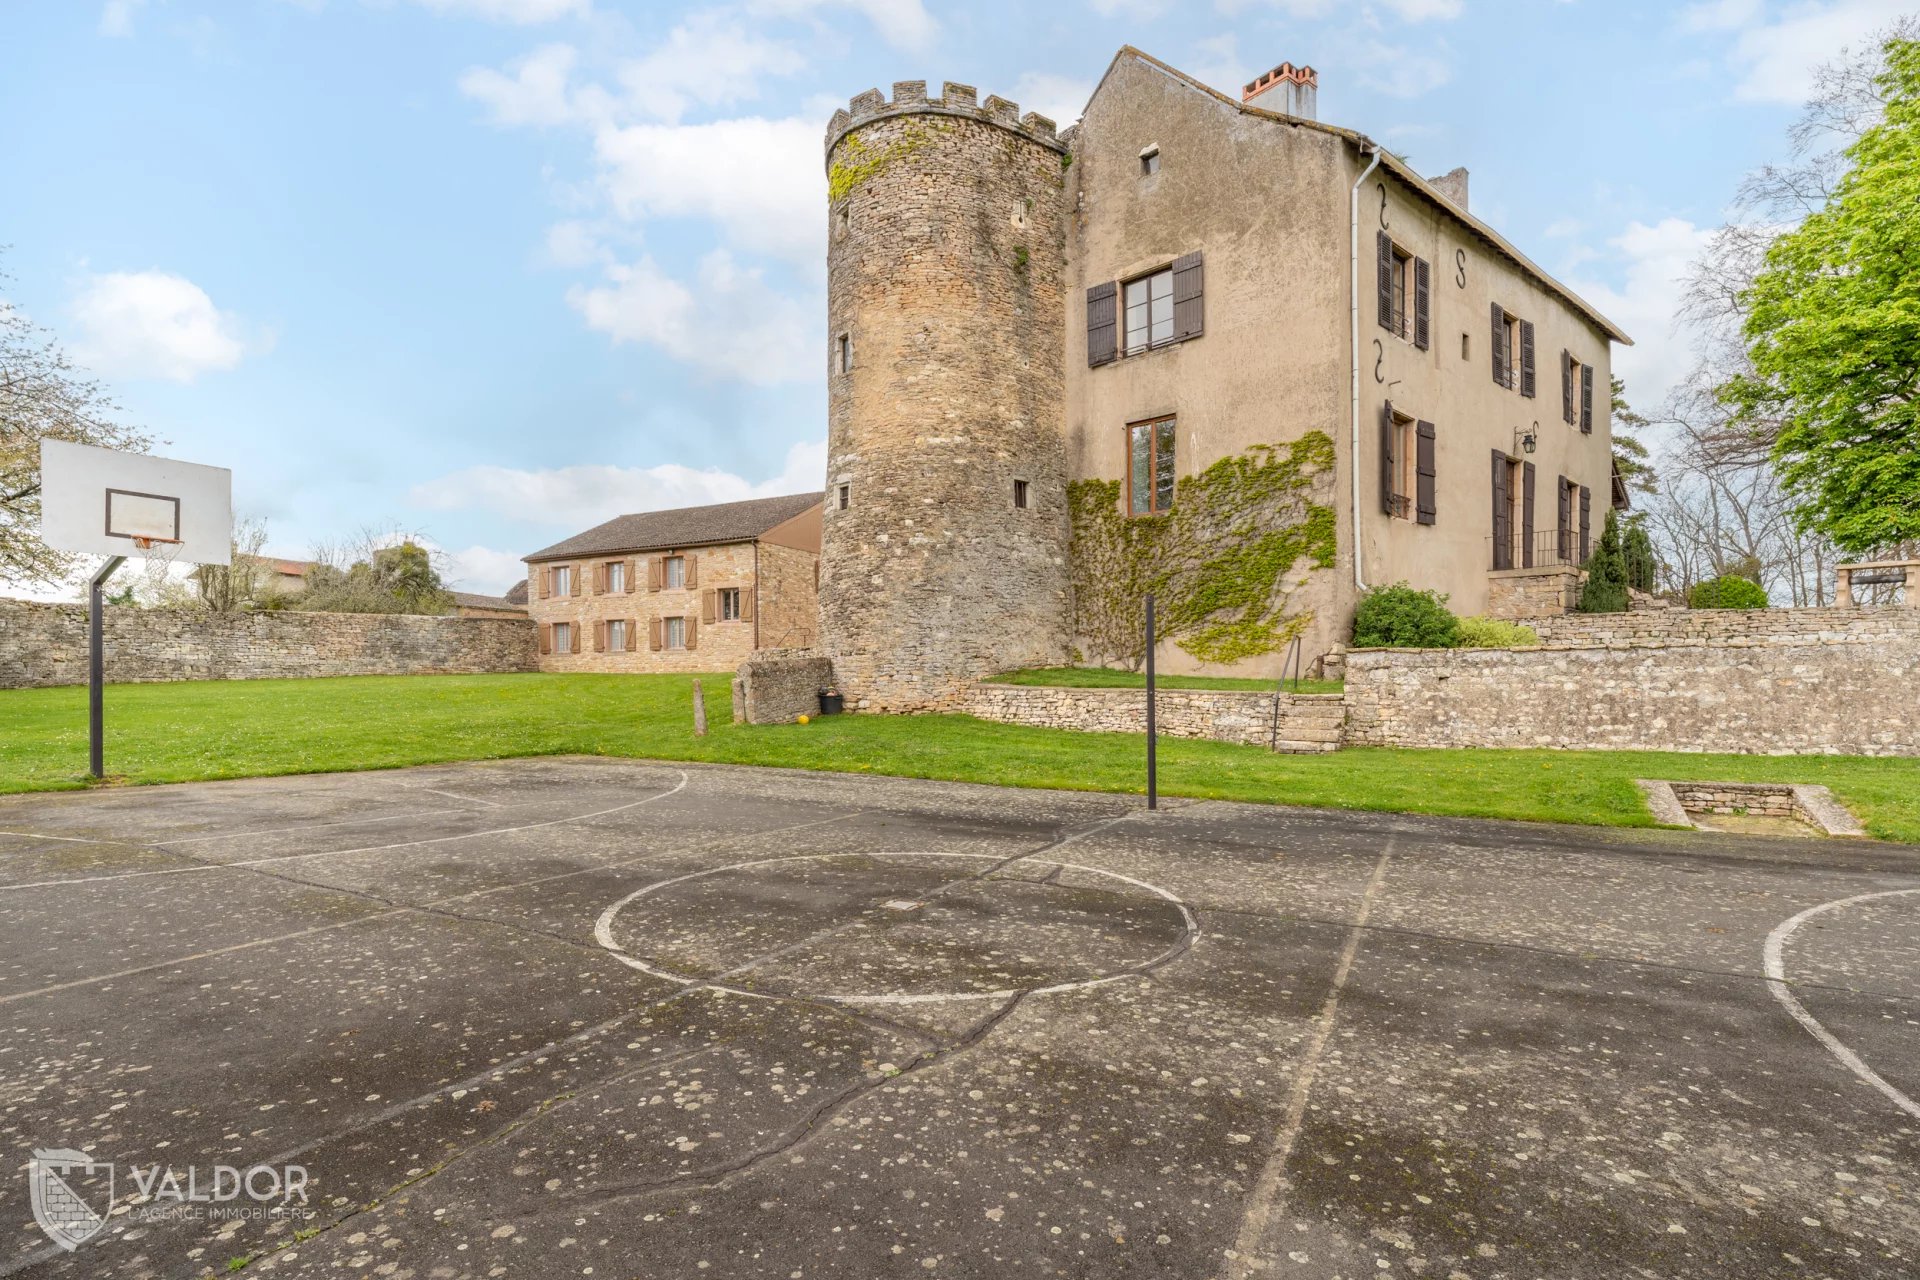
632	634
1566	386
1387	319
708	606
1526	359
654	569
1189	307
627	576
573	638
1386	457
1586	398
546	636
1422	303
1499	345
599	637
1424	510
1102	323
1563	531
1526	515
1586	525
1502	514
599	578
573	585
693	633
749	594
543	581
653	634
690	563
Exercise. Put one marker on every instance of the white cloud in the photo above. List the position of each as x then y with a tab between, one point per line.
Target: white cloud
708	59
729	321
1060	99
904	24
1217	62
761	180
1424	10
116	17
579	497
517	12
1400	72
483	570
574	244
153	324
1775	56
1654	262
1142	10
1720	15
537	93
1561	228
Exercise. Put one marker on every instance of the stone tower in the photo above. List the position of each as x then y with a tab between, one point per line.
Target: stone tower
944	547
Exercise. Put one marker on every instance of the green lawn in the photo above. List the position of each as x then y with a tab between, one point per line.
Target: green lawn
192	731
1109	678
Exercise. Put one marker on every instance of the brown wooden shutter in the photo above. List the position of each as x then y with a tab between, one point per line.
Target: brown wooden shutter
1526	515
1422	302
1388	320
1563	538
1586	398
1102	323
1526	359
747	597
544	580
573	584
1424	510
573	638
653	634
599	637
1386	457
655	567
1586	525
1499	345
1566	386
1502	514
1189	308
627	578
546	636
632	634
693	633
691	564
708	605
599	578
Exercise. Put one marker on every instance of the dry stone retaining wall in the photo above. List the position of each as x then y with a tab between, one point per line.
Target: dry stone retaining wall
46	644
1730	626
1307	722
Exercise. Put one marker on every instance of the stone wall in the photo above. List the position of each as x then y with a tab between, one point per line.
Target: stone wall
1731	626
46	644
789	597
945	260
1844	693
776	685
1307	722
1532	593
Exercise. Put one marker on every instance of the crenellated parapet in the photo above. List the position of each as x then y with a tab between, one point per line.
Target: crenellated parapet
963	100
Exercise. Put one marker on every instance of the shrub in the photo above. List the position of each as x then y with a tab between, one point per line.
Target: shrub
1638	548
1398	617
1495	633
1606	587
1728	591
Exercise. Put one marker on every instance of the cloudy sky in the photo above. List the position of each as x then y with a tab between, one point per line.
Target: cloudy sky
493	270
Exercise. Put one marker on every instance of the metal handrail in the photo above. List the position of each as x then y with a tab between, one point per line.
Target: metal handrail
1293	657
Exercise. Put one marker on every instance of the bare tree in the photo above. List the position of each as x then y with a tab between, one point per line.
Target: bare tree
43	396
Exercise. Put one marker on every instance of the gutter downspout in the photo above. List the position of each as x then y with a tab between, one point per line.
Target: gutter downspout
1353	300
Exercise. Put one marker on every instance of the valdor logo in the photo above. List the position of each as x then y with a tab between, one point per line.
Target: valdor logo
72	1193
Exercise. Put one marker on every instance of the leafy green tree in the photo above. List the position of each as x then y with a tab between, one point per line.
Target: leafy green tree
1605	590
400	578
1833	333
1643	566
1398	617
1630	456
1728	591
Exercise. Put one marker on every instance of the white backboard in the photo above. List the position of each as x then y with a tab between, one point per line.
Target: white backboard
97	501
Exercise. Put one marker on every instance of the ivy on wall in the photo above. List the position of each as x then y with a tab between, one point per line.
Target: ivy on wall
1222	564
859	162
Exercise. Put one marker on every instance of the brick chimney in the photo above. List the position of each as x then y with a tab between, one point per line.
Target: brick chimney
1294	88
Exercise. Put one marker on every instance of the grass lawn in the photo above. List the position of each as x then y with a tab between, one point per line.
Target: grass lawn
1109	678
243	728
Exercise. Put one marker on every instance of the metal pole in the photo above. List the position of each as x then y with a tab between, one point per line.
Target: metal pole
1153	762
97	670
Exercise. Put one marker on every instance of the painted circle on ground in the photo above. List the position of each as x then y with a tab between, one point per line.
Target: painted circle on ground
1188	926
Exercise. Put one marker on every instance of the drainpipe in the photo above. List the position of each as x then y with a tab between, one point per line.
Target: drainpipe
1353	300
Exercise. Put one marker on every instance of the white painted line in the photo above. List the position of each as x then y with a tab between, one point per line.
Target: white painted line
330	853
454	795
1772	956
603	931
1269	1191
311	826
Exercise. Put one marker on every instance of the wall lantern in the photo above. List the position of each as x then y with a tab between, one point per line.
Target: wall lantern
1527	438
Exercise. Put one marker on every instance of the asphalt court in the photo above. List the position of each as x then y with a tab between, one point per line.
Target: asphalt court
569	1017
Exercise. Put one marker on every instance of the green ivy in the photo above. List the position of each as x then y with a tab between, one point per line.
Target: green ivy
858	162
1221	565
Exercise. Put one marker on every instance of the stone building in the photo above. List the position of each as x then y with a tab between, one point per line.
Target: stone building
693	589
1183	279
474	604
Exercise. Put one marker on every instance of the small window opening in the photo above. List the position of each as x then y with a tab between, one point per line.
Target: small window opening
1150	162
1020	494
845	218
843	496
1466	347
846	353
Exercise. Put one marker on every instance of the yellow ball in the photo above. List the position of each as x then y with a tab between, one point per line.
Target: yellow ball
802	719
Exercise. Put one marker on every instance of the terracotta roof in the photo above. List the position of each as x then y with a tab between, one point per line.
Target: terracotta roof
470	600
683	527
1396	166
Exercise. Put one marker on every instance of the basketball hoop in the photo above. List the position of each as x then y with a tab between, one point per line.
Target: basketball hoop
158	555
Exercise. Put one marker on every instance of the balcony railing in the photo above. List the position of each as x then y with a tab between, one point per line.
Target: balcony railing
1550	548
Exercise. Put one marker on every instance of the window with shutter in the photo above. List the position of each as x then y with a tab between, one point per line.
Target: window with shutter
693	570
1586	525
546	639
573	580
630	630
1189	307
1424	497
673	572
626	574
1101	330
728	604
1389	276
707	606
1563	530
617	640
573	637
1422	303
1502	514
653	634
1586	398
1389	463
1567	365
1499	345
1151	473
673	633
1526	359
653	572
1526	516
1148	303
693	633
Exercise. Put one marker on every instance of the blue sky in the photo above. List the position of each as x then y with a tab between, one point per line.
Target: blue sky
493	270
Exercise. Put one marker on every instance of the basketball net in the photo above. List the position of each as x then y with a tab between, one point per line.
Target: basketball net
158	557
